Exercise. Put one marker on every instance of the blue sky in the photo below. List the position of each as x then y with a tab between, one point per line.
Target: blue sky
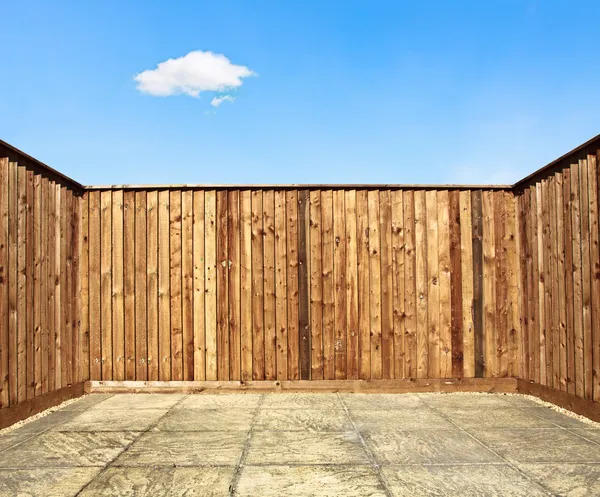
341	91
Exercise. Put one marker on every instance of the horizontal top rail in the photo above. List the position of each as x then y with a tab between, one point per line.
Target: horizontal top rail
26	160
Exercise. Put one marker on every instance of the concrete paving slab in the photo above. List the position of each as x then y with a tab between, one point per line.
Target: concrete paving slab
566	479
303	420
113	420
14	437
123	402
185	449
301	401
381	401
399	420
305	481
52	420
156	482
464	480
556	418
498	417
524	446
465	399
85	402
305	448
231	401
427	447
57	449
206	420
45	482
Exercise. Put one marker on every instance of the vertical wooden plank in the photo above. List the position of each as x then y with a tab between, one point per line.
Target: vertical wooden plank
387	321
222	288
152	215
316	288
199	288
352	286
84	366
445	283
535	315
477	249
4	284
513	250
187	283
129	281
554	282
210	268
291	200
95	241
13	278
37	284
75	284
281	326
398	288
364	315
577	280
118	309
433	289
30	270
105	284
22	284
422	284
489	285
467	280
530	209
561	270
141	289
547	246
164	283
523	250
176	351
60	288
410	286
541	354
328	290
43	296
258	332
303	285
233	246
246	284
502	282
374	284
269	284
595	273
586	286
570	332
456	279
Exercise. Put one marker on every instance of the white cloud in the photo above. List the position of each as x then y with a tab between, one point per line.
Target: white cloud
216	101
192	74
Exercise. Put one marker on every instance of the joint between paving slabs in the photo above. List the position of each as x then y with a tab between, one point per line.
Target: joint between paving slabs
374	464
235	478
506	461
127	447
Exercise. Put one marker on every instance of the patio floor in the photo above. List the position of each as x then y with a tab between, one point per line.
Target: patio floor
301	444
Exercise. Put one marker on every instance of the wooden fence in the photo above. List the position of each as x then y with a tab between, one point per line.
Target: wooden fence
560	275
39	281
278	284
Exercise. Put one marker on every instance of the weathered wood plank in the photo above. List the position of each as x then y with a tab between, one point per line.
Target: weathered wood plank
554	282
467	279
514	278
141	289
595	272
258	332
352	286
4	284
502	281
445	283
43	296
398	279
233	247
94	285
37	284
152	215
175	272
577	280
22	284
30	271
489	286
364	312
303	285
269	284
13	278
187	283
291	199
387	309
422	283
410	287
375	285
561	270
105	285
129	281
477	249
570	316
456	280
222	287
164	280
84	357
433	287
246	284
199	287
210	270
118	305
316	286
281	327
328	285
